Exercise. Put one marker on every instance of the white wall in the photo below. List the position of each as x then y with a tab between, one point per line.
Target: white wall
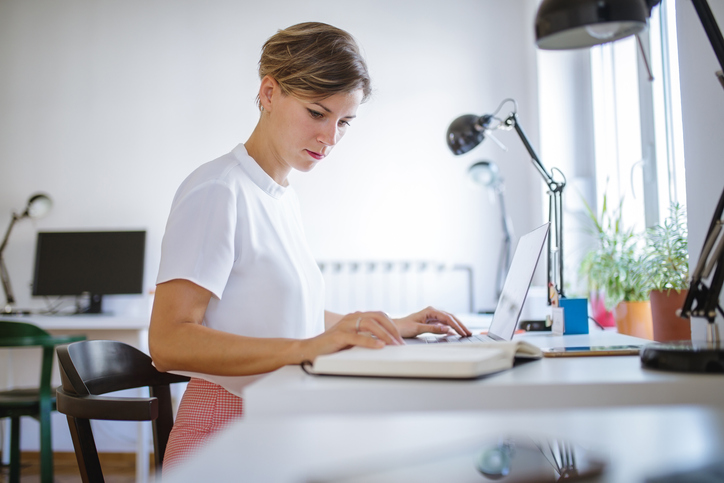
567	140
108	105
702	100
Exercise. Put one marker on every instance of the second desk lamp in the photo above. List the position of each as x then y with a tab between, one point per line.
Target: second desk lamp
38	206
486	173
468	131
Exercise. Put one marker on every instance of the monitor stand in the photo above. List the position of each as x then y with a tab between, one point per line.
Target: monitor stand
95	303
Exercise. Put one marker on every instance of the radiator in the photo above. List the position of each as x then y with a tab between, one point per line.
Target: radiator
397	287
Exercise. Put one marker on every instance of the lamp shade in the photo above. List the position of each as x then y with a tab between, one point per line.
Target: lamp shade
484	173
573	24
38	206
466	132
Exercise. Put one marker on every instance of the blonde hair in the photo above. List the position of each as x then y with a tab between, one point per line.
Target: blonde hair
313	60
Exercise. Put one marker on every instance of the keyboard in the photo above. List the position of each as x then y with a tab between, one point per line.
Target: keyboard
475	338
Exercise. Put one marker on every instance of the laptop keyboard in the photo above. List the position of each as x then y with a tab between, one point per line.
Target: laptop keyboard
475	338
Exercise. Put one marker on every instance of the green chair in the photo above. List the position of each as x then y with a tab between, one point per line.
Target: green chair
37	402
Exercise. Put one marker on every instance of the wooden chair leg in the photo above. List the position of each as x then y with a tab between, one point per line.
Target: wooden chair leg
85	450
162	425
14	449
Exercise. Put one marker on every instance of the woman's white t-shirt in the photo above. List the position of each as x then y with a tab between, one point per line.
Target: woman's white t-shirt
237	233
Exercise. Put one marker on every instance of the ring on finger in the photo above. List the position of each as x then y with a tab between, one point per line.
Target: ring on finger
359	319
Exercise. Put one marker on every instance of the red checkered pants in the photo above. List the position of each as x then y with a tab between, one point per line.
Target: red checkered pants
205	409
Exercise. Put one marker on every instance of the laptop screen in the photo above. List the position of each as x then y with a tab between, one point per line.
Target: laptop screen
517	283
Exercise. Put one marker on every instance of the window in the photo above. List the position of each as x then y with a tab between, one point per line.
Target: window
667	105
637	121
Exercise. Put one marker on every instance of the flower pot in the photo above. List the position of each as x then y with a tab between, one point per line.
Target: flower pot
634	318
666	324
598	310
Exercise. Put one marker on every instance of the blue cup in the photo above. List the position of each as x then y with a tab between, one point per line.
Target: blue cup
575	315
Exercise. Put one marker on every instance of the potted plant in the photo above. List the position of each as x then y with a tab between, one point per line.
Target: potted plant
596	265
667	268
613	268
633	310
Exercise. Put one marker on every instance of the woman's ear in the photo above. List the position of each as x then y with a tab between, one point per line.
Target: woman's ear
266	92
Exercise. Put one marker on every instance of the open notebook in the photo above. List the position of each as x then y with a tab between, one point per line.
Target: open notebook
449	361
472	356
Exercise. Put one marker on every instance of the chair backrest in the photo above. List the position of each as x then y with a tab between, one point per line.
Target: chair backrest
20	329
90	369
22	334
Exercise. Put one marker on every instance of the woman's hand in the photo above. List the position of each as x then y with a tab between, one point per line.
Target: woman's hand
373	330
430	320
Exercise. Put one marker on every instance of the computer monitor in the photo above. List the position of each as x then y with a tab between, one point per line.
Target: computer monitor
94	262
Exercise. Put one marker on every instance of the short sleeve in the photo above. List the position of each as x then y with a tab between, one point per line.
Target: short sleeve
198	244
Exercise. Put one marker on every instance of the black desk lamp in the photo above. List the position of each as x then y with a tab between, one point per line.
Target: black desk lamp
467	131
571	24
38	206
486	173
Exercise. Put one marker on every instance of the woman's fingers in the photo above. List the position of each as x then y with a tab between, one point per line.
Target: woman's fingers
435	328
379	325
372	330
434	316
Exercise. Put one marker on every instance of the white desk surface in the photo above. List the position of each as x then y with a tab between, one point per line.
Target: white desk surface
636	442
549	383
84	321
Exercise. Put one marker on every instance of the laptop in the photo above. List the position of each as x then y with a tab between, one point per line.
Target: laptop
515	291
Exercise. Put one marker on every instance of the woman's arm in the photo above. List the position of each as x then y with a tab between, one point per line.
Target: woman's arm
178	341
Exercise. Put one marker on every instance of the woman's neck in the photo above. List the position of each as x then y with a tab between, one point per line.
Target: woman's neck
261	150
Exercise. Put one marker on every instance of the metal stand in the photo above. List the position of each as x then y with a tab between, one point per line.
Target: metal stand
9	297
684	356
505	248
555	211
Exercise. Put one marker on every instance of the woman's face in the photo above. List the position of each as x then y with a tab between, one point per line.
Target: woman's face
305	131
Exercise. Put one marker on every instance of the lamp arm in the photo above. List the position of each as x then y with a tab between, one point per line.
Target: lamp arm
7	232
705	298
717	281
9	297
504	215
4	276
553	185
555	253
706	17
504	259
555	212
702	301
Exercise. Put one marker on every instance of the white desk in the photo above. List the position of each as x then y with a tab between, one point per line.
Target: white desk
636	442
85	322
24	364
132	330
550	383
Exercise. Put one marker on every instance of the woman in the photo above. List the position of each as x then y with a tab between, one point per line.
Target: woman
239	293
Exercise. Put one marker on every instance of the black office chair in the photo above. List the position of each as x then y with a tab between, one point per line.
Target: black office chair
37	402
92	368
